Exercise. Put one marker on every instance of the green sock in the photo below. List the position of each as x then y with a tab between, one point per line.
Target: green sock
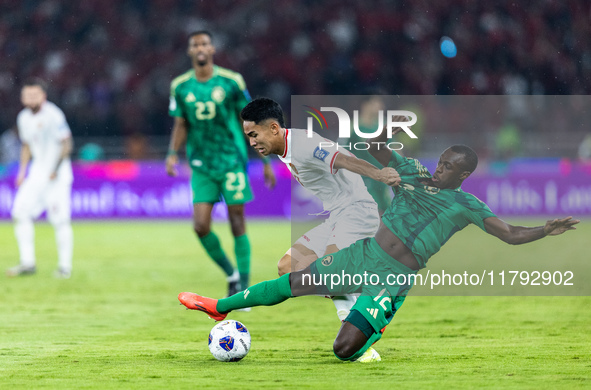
266	293
242	250
212	246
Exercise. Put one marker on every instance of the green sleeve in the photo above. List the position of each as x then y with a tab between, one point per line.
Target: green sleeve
175	107
479	211
395	160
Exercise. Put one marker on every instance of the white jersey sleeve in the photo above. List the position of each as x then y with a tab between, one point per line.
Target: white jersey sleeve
23	134
60	129
311	161
318	151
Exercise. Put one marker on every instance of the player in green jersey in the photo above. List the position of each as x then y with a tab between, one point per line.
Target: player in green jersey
206	102
426	211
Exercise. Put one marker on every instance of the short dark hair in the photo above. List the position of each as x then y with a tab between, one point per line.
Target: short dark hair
470	156
200	32
35	82
261	109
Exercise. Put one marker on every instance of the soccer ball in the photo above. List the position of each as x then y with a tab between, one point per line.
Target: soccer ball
229	341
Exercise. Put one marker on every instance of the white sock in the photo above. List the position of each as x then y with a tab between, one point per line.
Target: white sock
24	232
64	238
344	305
235	277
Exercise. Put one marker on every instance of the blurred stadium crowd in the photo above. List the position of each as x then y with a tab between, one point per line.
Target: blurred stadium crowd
109	63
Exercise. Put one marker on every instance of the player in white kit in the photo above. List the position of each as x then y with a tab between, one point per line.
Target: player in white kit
331	174
47	143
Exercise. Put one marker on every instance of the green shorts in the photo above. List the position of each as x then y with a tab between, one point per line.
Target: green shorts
365	269
233	186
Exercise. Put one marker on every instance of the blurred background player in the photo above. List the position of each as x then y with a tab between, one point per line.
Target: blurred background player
205	103
329	174
47	141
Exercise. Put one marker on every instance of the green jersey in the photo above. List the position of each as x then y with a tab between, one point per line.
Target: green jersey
215	142
425	217
379	191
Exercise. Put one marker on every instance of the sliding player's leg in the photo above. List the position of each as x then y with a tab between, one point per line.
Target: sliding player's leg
382	294
357	222
306	282
268	293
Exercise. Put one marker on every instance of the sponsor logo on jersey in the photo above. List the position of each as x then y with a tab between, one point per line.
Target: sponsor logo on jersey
190	98
320	154
218	94
327	261
196	163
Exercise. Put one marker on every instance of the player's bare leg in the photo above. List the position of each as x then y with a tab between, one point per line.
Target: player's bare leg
297	258
202	218
353	345
241	243
211	243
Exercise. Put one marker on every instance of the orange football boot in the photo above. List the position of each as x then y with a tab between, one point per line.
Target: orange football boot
197	302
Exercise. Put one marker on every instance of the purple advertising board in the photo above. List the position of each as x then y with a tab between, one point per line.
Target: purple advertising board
129	189
555	187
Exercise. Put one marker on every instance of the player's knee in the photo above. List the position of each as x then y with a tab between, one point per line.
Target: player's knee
57	220
201	228
284	265
343	348
237	224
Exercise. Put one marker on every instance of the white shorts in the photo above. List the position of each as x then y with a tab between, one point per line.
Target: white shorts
357	221
35	196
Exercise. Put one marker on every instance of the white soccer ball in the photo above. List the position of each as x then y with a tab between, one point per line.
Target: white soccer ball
229	341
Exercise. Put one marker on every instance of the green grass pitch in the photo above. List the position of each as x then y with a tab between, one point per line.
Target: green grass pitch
117	323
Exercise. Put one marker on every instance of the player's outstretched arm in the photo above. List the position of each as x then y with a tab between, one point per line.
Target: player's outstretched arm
386	175
177	139
270	179
516	235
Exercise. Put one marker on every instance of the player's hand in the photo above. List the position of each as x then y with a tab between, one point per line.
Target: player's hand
555	227
389	176
171	163
270	179
53	176
19	179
